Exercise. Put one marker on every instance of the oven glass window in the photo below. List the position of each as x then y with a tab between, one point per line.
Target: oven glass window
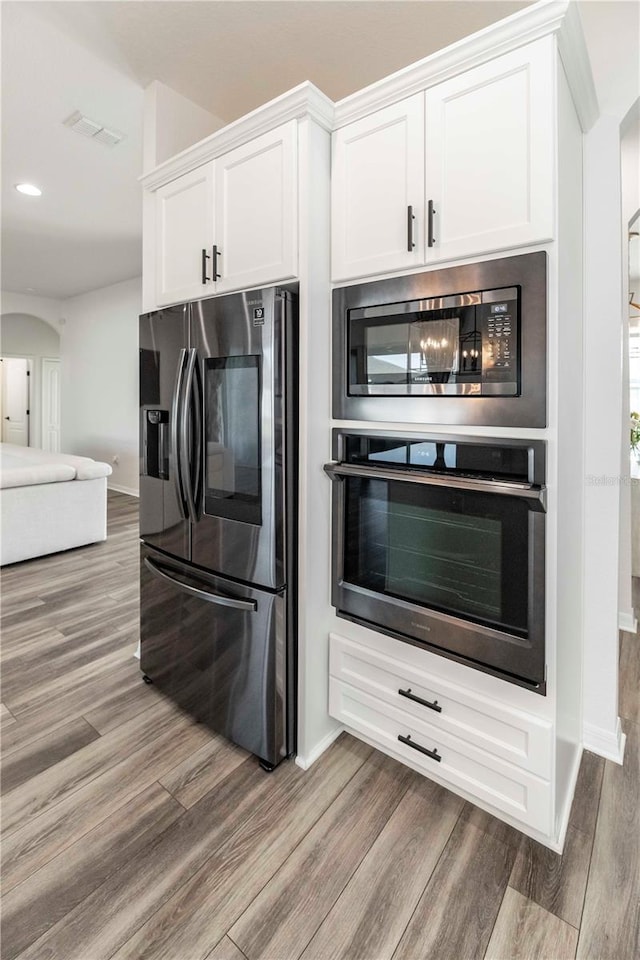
232	438
458	552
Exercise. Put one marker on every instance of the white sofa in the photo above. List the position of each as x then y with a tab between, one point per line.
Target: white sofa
49	502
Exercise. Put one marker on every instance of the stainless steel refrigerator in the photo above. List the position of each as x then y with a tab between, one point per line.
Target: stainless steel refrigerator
218	513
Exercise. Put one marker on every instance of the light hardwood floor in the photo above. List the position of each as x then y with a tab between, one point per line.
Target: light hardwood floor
132	832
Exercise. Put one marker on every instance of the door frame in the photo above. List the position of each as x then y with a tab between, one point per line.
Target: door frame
45	405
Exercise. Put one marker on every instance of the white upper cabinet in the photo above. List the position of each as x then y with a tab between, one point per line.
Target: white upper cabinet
184	236
230	223
489	155
472	156
377	176
256	211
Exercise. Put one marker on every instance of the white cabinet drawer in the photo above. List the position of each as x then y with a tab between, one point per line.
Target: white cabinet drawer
478	774
509	734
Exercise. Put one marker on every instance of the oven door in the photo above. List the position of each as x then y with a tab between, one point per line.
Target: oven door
451	564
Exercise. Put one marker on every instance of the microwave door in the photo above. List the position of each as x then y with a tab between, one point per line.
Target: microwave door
239	342
164	519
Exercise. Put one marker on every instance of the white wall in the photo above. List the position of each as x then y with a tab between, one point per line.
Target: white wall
172	123
22	335
99	351
46	308
603	437
630	181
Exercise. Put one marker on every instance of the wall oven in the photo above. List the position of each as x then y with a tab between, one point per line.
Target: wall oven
440	541
465	345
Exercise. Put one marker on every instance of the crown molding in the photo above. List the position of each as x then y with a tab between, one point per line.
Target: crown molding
559	18
540	20
305	100
572	47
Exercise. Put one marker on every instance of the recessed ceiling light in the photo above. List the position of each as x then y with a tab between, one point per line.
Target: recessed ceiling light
29	189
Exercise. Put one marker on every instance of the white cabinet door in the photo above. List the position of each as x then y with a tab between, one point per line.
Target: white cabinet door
378	174
184	229
15	376
257	210
489	155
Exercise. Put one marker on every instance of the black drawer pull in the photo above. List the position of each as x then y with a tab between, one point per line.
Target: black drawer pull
410	219
205	257
416	746
431	211
216	253
425	703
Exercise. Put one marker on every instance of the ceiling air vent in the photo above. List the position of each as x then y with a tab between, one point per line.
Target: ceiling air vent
93	130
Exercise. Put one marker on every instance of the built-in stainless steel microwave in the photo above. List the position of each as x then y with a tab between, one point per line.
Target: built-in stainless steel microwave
462	345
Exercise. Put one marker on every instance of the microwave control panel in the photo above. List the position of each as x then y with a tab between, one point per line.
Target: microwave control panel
498	324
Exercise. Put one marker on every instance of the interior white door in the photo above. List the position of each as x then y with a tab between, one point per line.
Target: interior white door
377	206
257	210
489	155
184	210
51	405
15	400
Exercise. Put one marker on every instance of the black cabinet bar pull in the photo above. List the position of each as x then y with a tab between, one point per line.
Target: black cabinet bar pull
431	210
410	219
416	746
216	253
425	703
205	257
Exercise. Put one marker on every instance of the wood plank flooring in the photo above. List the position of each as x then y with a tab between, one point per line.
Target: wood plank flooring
132	833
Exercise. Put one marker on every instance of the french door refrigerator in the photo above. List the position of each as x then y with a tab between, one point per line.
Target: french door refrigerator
218	508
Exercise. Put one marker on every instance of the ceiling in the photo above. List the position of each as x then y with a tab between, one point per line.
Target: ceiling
97	57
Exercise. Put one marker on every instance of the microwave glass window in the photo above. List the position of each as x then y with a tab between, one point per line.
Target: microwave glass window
412	351
385	354
439	346
446	550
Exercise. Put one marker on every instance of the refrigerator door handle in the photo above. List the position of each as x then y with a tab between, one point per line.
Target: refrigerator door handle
217	598
190	459
184	445
176	435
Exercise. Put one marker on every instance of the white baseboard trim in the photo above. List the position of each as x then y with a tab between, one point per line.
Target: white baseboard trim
119	489
319	749
627	622
606	743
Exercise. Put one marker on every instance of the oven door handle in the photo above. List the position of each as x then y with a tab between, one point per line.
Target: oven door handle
536	496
